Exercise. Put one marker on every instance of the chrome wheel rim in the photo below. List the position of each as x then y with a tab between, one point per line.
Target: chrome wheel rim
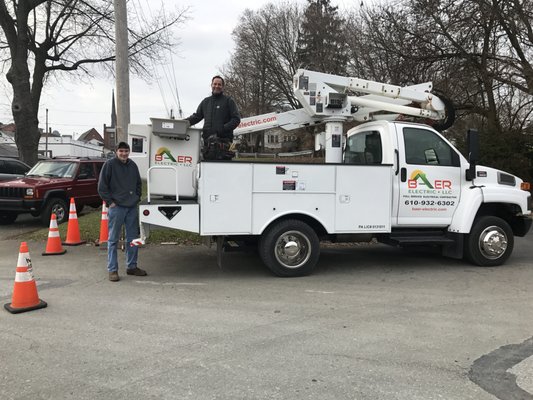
493	242
292	249
59	212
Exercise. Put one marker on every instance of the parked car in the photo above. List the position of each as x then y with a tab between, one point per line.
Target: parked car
48	187
11	168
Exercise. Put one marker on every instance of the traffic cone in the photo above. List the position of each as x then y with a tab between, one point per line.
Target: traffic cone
25	297
104	226
53	246
73	229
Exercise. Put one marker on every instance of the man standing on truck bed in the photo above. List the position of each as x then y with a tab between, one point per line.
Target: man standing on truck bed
120	187
221	116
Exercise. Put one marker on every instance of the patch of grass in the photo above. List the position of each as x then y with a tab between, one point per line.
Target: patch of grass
174	236
89	223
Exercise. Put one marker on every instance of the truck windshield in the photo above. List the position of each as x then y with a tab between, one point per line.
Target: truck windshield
61	169
363	148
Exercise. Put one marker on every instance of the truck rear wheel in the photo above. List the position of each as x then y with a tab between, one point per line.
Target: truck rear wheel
290	248
490	242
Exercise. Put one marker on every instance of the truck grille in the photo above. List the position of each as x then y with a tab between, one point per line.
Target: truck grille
12	192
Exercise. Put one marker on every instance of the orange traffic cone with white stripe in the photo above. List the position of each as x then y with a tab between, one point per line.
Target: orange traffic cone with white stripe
104	226
53	245
25	297
73	229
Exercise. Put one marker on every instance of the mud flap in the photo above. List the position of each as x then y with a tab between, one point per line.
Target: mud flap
454	250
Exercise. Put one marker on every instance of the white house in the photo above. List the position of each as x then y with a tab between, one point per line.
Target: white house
53	146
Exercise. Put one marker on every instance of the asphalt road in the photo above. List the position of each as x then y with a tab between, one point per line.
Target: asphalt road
373	322
24	223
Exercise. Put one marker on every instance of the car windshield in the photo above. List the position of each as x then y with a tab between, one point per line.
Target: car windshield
56	169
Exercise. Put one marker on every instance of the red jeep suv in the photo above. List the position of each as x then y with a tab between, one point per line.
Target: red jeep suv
48	187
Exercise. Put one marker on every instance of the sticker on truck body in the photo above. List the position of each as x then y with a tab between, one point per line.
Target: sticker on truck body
289	185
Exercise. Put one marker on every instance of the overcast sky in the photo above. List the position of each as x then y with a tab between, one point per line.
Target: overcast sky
206	45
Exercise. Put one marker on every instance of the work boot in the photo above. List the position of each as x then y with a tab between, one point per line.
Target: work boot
136	271
113	276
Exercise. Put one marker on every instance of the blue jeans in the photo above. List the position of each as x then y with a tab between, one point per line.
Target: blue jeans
129	217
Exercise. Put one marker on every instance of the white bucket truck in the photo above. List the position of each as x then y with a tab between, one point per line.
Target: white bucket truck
400	182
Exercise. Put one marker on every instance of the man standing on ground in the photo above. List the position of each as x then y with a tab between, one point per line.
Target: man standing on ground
219	112
120	187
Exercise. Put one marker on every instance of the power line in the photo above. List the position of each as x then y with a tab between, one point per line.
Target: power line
170	76
139	11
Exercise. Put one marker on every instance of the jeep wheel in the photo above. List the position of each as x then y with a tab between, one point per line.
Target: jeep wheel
7	217
57	206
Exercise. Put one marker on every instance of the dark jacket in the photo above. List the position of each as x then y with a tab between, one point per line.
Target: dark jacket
220	115
120	183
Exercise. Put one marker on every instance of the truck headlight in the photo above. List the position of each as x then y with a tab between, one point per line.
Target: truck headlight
29	192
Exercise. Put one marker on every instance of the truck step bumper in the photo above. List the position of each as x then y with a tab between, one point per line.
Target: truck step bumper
450	243
415	240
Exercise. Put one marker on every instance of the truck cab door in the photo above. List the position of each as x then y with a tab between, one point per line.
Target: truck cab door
428	185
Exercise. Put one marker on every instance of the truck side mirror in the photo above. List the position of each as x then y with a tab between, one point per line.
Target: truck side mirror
472	141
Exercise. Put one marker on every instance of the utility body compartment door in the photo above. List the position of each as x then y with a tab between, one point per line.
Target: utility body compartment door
225	197
364	198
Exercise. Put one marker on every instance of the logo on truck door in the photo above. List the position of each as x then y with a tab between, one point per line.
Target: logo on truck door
418	178
424	194
163	156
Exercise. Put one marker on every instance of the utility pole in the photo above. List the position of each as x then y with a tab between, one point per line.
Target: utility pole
122	70
46	137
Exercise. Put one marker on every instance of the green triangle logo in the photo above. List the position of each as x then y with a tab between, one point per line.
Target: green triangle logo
424	179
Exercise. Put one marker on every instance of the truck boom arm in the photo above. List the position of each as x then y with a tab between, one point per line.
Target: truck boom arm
326	96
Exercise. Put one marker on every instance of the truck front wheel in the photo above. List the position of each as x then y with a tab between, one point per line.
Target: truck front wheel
290	248
490	242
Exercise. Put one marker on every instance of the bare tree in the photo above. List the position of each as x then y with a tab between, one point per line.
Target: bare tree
247	72
477	51
260	71
515	58
44	38
259	74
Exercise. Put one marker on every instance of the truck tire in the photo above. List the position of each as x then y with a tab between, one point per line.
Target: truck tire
290	248
7	217
57	206
490	242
